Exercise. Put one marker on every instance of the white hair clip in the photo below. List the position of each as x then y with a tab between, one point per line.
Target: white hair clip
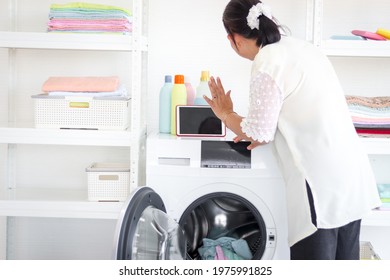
254	13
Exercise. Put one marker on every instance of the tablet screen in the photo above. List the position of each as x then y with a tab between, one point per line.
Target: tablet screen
198	121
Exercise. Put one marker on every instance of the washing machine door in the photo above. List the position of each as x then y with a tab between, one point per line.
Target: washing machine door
145	232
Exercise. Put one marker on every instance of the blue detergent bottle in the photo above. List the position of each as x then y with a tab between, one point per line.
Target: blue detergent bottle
165	105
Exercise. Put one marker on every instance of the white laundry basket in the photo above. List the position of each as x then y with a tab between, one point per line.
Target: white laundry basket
108	181
65	112
367	251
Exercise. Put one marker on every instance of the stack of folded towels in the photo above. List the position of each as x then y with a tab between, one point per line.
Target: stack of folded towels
370	115
384	193
80	17
84	86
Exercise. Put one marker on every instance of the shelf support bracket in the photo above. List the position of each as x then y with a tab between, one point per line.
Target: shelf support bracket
314	12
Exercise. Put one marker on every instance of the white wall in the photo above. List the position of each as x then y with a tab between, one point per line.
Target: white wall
187	36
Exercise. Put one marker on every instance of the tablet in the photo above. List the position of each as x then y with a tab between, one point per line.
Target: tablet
198	121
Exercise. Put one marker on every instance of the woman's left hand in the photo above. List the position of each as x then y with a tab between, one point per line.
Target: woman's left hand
251	146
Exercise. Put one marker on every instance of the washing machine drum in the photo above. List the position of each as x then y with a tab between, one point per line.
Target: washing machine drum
146	232
224	217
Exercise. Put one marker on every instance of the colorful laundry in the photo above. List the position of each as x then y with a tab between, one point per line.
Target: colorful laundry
219	254
384	193
225	248
369	102
80	17
370	115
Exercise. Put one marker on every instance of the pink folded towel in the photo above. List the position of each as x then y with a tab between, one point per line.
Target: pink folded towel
99	25
85	84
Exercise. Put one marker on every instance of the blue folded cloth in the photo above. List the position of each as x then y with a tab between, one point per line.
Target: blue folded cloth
384	190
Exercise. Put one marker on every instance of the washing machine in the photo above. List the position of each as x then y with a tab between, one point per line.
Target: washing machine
201	189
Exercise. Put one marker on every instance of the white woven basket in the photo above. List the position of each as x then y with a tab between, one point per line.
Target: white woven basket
367	251
108	181
81	112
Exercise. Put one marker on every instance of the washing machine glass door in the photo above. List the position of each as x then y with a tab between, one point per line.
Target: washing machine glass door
146	232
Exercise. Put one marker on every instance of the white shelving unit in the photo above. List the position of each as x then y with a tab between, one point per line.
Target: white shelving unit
43	202
377	146
65	137
343	48
48	203
346	48
350	49
57	41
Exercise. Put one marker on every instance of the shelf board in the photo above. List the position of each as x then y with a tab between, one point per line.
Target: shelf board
35	202
68	41
116	138
121	138
377	218
60	203
356	48
376	146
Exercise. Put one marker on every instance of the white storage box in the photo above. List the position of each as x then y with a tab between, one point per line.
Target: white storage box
105	113
367	251
108	181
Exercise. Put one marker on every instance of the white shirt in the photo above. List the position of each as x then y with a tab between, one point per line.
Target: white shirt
297	102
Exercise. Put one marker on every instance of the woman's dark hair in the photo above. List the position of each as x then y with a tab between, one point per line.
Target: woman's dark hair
234	20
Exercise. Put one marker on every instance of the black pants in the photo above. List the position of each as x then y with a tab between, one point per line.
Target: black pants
328	244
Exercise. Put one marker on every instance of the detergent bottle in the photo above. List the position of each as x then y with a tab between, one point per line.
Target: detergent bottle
190	91
179	97
165	105
203	89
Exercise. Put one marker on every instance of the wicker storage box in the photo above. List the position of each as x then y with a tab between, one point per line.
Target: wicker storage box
367	251
81	112
108	181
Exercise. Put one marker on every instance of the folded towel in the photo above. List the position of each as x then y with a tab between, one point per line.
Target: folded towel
81	84
120	92
88	6
83	17
376	131
83	22
371	102
384	190
90	25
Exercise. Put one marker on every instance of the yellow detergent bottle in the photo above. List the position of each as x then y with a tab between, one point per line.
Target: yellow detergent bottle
203	89
384	32
179	97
